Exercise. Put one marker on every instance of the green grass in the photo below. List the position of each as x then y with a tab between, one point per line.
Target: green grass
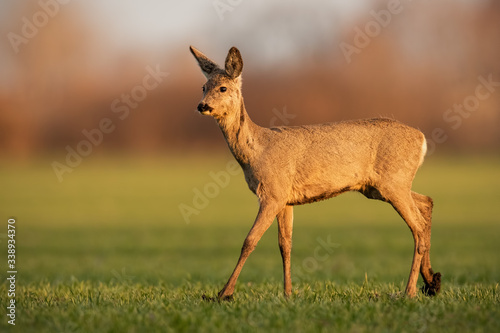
107	250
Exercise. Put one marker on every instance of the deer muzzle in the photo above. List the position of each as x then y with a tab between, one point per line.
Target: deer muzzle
204	108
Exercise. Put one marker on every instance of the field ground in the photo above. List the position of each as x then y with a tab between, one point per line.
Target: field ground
108	250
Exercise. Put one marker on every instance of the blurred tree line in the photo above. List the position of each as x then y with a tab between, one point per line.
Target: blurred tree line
425	68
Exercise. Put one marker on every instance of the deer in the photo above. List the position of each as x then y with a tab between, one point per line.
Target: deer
285	166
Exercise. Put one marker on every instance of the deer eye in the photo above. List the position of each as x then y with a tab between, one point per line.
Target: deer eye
203	88
223	89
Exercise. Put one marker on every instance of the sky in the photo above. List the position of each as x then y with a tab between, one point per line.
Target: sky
268	26
151	20
268	31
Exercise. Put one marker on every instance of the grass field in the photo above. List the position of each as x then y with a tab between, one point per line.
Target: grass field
108	250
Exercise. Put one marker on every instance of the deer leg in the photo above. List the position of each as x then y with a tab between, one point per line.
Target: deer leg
264	219
285	225
432	281
411	287
408	210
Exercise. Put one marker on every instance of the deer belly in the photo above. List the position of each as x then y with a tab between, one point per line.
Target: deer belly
309	194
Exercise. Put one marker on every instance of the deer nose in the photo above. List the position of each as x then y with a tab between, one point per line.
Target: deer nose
204	107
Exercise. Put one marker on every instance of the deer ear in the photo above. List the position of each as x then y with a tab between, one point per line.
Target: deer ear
207	66
234	63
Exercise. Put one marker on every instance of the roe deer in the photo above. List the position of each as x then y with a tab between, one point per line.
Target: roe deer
293	165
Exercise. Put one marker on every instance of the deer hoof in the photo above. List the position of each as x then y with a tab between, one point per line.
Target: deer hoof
432	289
222	297
227	298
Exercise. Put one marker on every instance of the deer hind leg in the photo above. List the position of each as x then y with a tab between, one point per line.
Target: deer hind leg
285	225
403	203
432	281
265	218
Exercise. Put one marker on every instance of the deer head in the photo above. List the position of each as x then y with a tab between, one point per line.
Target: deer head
222	92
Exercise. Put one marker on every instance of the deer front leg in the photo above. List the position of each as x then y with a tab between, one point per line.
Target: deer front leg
285	226
264	219
411	287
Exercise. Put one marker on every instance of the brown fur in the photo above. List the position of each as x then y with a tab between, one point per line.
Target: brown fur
287	166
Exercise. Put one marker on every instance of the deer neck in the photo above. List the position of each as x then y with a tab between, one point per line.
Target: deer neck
241	135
